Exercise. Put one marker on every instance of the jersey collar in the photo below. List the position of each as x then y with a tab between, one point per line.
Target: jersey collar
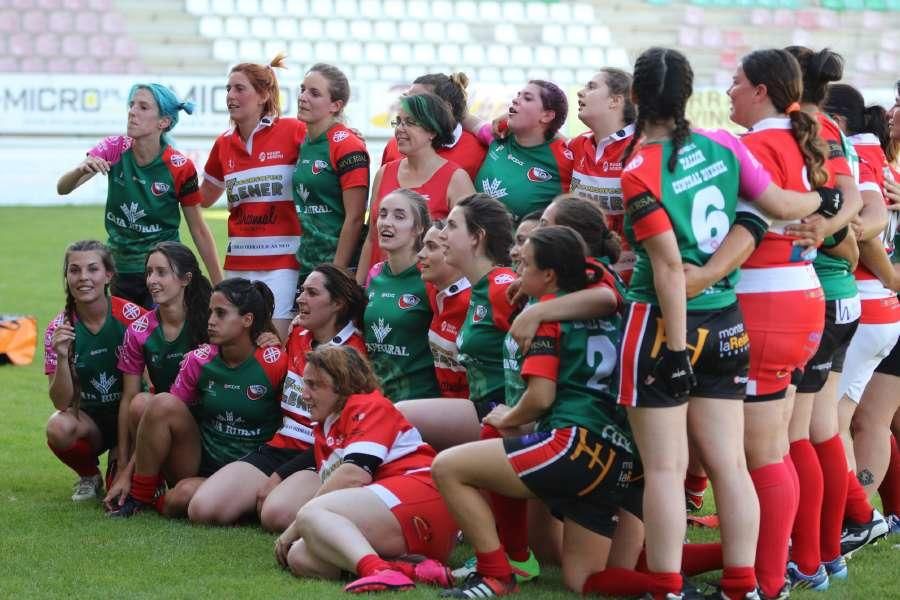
266	121
457	134
771	123
459	286
343	336
864	138
616	136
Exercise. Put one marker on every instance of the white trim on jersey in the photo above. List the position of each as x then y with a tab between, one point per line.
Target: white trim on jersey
872	289
457	287
750	207
293	429
385	495
616	136
367	448
864	139
275	245
771	123
343	336
216	182
404	444
869	186
777	279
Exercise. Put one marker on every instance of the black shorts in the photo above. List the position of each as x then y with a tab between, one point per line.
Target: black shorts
830	355
108	423
209	464
133	287
579	475
719	348
268	458
891	364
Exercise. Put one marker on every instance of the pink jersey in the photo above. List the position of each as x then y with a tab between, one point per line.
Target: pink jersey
263	229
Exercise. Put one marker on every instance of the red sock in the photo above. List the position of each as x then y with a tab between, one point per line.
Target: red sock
664	583
642	562
834	479
614	581
143	487
795	477
805	536
695	484
737	582
510	514
777	507
701	558
890	486
494	564
79	457
371	564
858	508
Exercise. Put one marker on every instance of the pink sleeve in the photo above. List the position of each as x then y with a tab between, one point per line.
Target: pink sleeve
485	135
49	353
131	358
754	177
185	385
111	148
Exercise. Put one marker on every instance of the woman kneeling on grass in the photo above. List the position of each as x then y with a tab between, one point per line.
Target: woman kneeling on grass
377	502
234	385
580	460
80	360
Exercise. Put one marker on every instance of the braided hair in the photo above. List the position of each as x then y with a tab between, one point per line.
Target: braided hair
662	84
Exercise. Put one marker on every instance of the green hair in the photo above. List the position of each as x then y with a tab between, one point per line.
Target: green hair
432	115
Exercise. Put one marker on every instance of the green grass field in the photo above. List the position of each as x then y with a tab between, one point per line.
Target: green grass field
51	547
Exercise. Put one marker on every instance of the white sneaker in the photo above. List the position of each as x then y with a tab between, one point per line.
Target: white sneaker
88	488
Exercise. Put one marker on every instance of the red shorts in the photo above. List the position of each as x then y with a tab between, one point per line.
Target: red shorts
785	329
427	525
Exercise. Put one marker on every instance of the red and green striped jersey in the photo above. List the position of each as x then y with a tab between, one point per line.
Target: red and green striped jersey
697	202
480	339
96	356
238	406
143	202
525	179
335	161
146	346
396	320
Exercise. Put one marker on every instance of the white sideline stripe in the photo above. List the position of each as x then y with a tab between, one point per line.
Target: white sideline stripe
549	460
778	279
385	495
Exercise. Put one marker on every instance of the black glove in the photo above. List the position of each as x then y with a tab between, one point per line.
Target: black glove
832	200
674	371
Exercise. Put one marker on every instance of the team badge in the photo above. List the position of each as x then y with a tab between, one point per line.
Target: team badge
202	352
271	354
503	278
480	313
178	160
131	311
319	166
159	188
141	325
537	175
340	136
408	301
634	163
256	391
568	154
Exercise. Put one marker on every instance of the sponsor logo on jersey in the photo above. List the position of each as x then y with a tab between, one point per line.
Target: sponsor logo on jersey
202	352
319	166
503	278
273	155
302	192
493	188
159	188
537	175
408	301
231	164
381	330
612	166
133	212
256	391
634	163
479	314
141	325
178	160
340	136
131	311
271	354
103	382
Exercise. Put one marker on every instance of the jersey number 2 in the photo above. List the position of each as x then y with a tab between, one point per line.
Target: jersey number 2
604	364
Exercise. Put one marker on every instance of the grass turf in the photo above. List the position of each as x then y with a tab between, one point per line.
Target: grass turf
51	547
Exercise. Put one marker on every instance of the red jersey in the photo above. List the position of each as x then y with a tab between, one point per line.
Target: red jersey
465	150
879	304
263	229
434	190
449	307
836	162
597	176
297	430
370	425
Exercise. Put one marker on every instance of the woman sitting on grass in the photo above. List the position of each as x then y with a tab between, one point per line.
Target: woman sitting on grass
234	386
80	360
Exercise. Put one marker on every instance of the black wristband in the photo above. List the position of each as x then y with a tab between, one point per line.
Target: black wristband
831	201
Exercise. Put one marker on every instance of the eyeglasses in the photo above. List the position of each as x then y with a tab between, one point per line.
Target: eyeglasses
406	123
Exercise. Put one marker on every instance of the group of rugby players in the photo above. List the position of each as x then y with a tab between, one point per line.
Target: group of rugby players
549	345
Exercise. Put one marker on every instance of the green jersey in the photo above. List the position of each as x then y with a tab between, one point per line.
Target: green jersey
397	320
525	179
697	202
334	162
143	202
239	407
146	346
480	339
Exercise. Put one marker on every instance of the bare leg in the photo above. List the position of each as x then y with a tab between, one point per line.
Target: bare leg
871	428
823	424
228	495
64	428
177	500
443	422
545	534
168	440
584	553
846	410
627	541
281	505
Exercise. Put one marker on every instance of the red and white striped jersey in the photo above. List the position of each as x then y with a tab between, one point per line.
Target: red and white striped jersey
449	307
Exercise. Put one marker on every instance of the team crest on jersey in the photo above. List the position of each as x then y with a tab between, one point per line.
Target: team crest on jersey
408	301
159	188
480	313
568	154
340	136
634	163
503	278
271	354
141	325
256	391
538	175
319	166
131	311
202	352
178	160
